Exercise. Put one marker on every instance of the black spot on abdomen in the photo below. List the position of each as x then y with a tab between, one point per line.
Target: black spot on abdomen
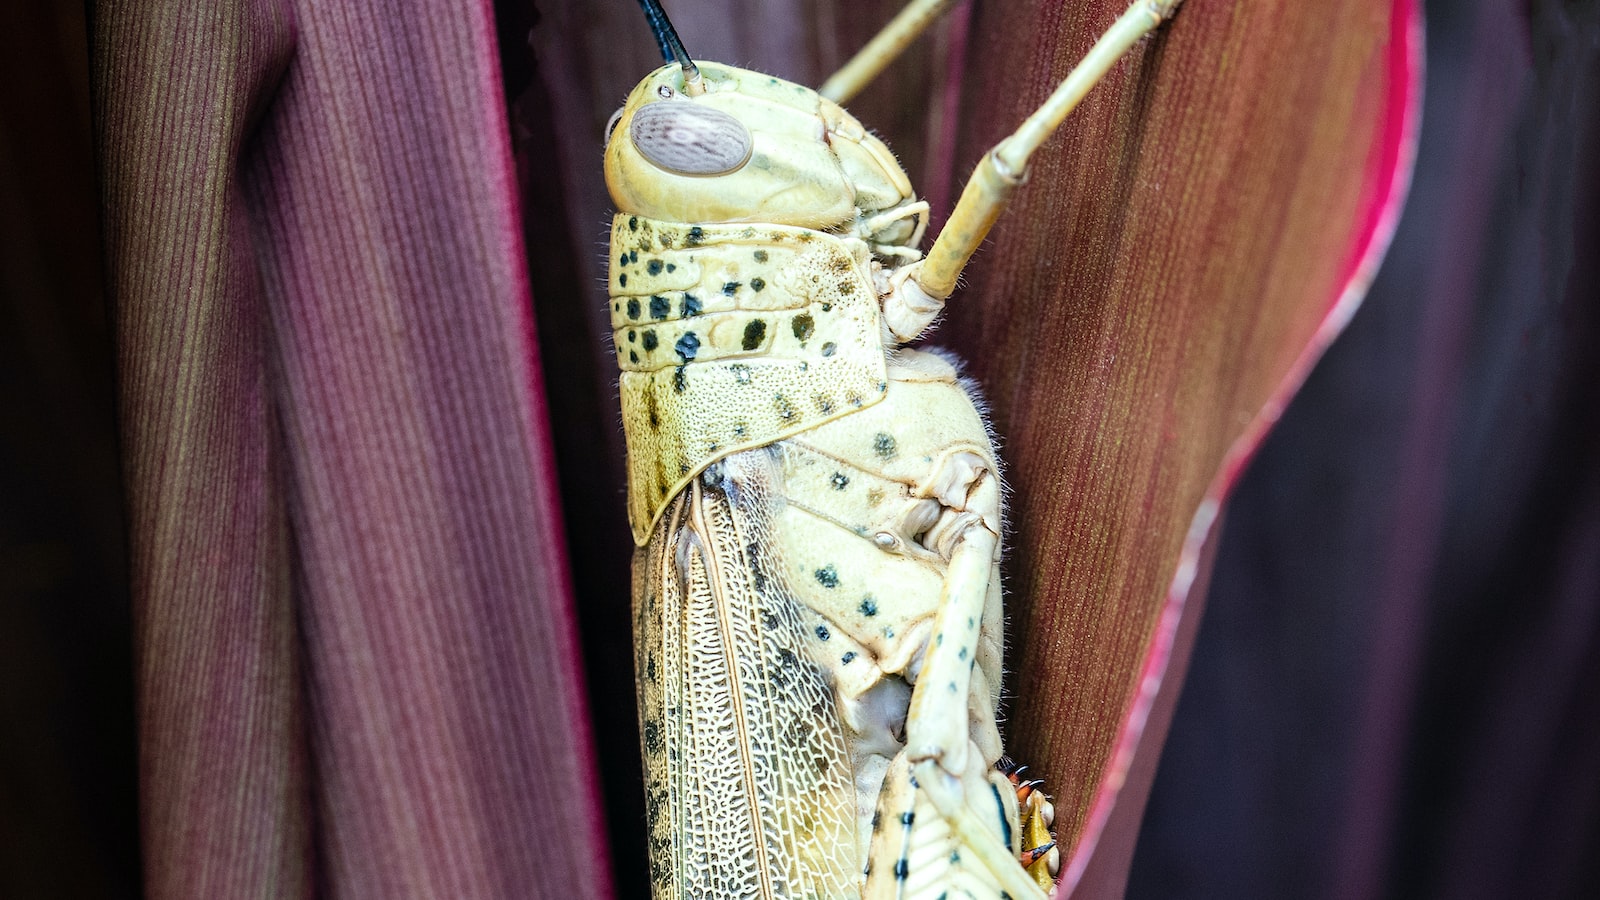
827	576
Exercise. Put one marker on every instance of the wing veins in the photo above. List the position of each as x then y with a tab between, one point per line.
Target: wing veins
725	629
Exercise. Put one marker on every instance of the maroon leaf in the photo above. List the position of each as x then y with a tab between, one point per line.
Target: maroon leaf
1206	223
352	612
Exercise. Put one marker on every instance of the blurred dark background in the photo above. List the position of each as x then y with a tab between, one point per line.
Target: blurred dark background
1396	687
67	754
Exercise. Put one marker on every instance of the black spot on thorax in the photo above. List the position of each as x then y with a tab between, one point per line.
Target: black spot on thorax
687	346
755	331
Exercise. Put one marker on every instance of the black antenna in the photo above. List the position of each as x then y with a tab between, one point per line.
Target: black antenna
671	46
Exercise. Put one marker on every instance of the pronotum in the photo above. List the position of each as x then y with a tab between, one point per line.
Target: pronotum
817	505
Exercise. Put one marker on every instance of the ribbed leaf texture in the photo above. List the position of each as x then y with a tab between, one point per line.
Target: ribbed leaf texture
356	669
1206	226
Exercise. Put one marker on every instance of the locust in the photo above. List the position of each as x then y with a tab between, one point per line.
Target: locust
817	504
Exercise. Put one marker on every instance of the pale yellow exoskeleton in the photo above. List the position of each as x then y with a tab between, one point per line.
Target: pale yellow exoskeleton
818	507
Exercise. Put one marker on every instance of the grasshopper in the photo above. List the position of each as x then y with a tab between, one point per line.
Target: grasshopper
817	506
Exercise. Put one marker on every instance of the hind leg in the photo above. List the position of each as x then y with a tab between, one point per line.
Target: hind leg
952	816
919	853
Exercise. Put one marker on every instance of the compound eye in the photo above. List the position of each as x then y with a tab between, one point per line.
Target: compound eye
690	139
611	126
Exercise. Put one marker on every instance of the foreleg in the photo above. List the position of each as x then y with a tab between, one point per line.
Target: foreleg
918	291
